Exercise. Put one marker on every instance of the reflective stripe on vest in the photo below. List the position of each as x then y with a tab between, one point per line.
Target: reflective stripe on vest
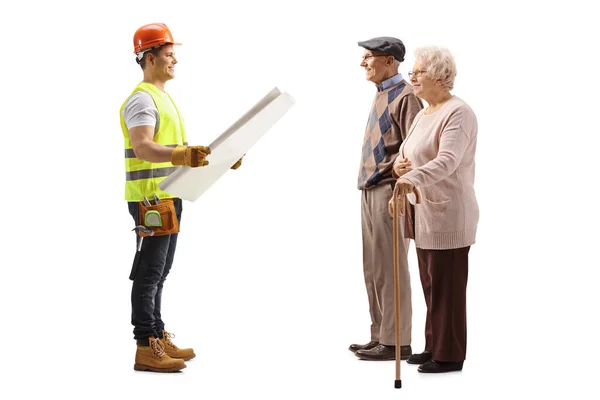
149	173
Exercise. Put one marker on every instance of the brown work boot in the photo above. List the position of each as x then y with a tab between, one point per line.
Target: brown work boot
174	351
154	358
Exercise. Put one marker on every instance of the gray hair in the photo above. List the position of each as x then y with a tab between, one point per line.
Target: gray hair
439	63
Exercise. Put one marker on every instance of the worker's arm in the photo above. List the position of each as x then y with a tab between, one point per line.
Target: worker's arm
141	117
146	149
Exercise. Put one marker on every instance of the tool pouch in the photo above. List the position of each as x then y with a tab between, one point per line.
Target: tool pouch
161	218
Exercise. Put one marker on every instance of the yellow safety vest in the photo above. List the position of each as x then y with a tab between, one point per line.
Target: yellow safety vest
142	177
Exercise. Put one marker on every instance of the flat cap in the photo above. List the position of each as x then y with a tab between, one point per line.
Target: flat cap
386	44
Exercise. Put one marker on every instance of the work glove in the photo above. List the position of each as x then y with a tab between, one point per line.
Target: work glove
237	163
192	156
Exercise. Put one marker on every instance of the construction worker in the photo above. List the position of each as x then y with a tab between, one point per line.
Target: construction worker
155	146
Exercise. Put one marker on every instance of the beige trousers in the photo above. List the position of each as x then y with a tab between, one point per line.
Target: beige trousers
378	264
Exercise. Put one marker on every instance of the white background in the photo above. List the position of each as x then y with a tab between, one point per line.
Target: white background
267	284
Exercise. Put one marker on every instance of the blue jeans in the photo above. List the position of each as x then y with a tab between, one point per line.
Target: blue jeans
149	271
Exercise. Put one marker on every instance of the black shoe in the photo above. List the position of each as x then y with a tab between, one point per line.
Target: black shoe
440	366
419	358
355	347
382	352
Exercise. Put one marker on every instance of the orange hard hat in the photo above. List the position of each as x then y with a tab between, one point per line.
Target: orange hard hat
152	35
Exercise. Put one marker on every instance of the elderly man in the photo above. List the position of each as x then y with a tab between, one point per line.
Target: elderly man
392	113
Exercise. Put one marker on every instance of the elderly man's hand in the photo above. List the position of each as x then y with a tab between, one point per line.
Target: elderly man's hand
392	205
401	166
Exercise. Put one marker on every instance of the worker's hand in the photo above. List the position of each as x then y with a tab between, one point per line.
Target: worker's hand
192	156
238	163
401	166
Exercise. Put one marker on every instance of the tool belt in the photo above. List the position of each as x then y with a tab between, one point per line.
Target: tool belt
159	217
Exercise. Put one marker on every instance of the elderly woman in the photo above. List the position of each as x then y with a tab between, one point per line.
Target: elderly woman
437	162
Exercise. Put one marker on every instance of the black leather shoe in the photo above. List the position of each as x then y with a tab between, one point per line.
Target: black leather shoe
419	358
433	367
355	347
382	352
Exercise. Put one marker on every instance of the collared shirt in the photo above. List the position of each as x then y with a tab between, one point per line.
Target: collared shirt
394	80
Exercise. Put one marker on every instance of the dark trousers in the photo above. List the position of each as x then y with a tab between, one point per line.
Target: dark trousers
150	269
444	279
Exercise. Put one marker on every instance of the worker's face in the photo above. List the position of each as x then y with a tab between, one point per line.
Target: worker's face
376	66
163	64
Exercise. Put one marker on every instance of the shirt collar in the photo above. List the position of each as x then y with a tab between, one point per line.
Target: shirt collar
388	83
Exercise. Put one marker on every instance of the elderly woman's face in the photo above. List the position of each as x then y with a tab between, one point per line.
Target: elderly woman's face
423	85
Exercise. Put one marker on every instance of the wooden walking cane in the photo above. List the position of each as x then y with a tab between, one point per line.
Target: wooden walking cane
399	209
399	202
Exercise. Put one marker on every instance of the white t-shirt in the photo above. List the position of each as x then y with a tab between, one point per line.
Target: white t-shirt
140	110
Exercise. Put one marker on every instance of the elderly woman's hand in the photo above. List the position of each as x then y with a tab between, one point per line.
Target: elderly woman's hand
401	166
403	187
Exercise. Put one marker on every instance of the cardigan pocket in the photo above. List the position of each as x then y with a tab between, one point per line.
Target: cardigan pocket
437	208
435	194
434	215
